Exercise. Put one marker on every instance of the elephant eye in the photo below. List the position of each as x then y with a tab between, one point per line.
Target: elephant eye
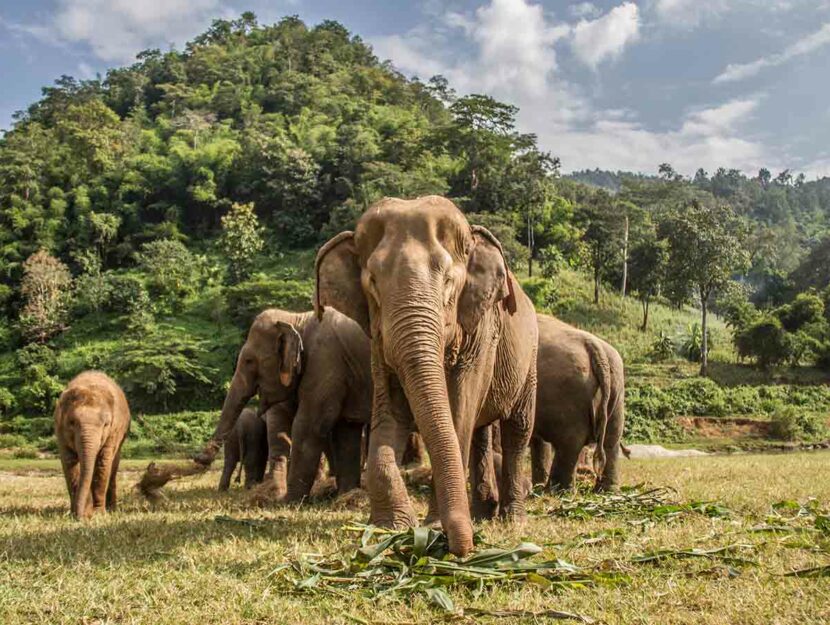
373	289
448	289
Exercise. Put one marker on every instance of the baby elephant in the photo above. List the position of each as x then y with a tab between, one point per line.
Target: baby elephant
247	443
91	422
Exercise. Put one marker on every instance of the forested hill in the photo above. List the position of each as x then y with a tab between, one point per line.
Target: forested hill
304	122
775	200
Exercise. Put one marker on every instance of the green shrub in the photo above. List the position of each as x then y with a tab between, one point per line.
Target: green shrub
662	349
125	290
766	341
164	368
793	424
175	432
39	386
692	346
247	299
172	272
541	291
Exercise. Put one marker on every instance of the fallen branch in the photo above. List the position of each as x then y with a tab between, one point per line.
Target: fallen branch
156	476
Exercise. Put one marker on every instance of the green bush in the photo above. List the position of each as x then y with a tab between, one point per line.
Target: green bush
125	290
662	349
541	291
790	423
164	368
172	272
170	433
766	341
247	299
39	387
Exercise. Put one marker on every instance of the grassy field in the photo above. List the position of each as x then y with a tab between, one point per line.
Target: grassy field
193	559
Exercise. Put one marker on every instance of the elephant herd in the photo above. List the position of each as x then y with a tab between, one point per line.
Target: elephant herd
418	326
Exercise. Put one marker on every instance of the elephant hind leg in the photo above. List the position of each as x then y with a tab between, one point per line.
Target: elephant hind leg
112	490
347	437
609	478
541	460
515	436
483	470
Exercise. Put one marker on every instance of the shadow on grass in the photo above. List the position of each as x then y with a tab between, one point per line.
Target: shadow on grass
151	537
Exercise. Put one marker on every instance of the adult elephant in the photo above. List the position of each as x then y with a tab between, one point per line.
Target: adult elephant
580	400
299	365
453	341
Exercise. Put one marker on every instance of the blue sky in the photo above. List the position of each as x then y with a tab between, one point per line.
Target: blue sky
611	84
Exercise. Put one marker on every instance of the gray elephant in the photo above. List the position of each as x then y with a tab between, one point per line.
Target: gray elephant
246	445
316	370
92	419
580	400
453	346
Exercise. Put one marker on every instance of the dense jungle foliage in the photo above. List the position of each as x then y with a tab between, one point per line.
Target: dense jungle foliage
147	216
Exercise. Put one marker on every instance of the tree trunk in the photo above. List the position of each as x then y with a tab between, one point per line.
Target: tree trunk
625	259
645	314
596	287
704	341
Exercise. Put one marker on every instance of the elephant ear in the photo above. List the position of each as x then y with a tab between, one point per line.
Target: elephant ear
338	273
488	280
290	349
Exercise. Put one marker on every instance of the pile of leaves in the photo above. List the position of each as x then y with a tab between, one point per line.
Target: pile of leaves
638	503
390	563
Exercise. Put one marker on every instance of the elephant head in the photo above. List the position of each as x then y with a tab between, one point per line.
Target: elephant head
418	278
87	419
269	364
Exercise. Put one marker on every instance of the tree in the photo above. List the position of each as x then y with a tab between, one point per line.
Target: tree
649	259
241	241
602	234
705	250
766	341
46	292
172	271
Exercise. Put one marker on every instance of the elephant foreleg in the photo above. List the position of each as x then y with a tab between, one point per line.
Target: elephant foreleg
72	473
278	420
101	477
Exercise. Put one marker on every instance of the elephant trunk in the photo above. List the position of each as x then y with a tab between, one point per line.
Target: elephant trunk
421	372
238	395
90	445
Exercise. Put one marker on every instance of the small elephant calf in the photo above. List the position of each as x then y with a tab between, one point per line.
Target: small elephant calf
91	422
247	443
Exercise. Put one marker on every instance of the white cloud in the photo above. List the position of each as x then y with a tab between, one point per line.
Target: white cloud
688	13
805	45
585	10
116	30
606	37
507	49
705	138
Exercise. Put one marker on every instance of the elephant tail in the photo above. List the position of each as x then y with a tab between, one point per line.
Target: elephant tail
601	369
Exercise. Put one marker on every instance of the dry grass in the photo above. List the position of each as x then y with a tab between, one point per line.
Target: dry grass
184	561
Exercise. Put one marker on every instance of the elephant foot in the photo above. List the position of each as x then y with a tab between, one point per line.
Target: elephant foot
400	520
266	494
513	513
606	487
485	510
